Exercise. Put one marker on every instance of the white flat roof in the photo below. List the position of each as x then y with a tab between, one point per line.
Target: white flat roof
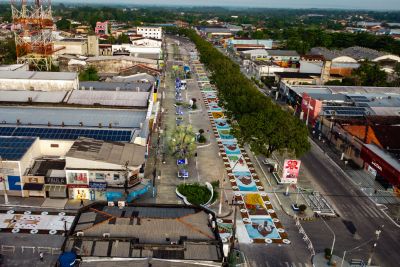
109	98
38	75
34	96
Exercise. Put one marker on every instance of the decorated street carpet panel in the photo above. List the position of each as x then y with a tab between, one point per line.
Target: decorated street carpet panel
35	222
258	215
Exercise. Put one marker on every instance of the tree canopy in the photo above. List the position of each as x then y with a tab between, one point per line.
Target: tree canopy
182	142
89	74
255	118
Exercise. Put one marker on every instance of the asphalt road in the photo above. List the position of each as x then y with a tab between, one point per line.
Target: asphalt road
355	210
358	220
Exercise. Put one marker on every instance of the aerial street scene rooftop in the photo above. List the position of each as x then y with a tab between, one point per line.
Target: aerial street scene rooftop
199	133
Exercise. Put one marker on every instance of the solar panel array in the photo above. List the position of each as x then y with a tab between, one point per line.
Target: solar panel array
359	98
344	111
69	134
13	148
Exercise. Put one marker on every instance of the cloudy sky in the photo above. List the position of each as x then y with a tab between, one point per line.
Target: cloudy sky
347	4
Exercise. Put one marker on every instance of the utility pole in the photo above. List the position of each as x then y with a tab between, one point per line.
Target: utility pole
377	233
3	180
333	242
233	238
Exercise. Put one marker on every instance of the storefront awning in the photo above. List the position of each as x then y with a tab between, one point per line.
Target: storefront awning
55	187
33	187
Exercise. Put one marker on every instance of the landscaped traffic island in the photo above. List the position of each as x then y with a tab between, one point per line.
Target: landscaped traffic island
197	194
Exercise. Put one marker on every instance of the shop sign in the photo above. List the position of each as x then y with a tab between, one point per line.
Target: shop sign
77	177
77	186
33	179
290	173
97	185
55	180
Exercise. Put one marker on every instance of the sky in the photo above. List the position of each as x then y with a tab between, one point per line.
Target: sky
341	4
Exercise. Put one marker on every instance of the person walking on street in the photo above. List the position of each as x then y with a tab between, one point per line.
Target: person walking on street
41	256
81	202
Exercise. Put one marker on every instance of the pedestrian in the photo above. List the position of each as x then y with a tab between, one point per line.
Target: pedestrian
41	256
81	202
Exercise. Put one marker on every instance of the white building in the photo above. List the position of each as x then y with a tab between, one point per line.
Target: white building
38	80
138	51
94	161
150	32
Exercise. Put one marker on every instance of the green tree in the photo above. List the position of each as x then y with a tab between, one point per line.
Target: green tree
370	74
8	51
396	75
123	39
63	24
89	74
182	142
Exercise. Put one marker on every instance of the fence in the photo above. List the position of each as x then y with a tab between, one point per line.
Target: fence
30	249
305	238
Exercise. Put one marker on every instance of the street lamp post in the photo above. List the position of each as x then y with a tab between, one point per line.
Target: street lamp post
377	233
357	247
333	243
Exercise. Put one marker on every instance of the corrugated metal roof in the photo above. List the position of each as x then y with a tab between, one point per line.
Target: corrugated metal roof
73	116
38	75
32	96
109	98
120	84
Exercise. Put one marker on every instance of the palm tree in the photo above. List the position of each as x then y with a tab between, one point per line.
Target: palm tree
182	142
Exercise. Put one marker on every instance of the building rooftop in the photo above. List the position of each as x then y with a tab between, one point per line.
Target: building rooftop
41	167
38	75
174	232
109	98
119	84
88	117
110	152
356	52
384	155
14	148
33	96
289	53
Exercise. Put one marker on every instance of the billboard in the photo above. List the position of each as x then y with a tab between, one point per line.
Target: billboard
290	173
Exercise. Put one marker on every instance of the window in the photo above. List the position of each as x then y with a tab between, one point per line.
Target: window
100	176
54	145
116	176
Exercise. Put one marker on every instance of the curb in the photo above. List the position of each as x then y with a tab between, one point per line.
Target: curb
348	178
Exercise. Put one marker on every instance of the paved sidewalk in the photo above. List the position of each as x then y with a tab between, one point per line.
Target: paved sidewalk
42	203
319	260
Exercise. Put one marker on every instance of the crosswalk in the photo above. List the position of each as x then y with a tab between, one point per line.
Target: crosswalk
361	211
279	264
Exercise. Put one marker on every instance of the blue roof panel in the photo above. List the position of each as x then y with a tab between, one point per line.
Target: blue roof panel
14	148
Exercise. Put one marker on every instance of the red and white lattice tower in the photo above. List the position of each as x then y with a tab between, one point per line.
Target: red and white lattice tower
33	25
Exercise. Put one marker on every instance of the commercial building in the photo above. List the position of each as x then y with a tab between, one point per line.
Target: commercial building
101	28
35	80
141	231
77	46
94	164
15	156
150	32
348	58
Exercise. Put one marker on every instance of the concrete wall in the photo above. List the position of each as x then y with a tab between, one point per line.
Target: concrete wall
49	147
115	66
73	48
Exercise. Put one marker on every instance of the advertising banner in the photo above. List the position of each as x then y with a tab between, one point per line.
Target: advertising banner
290	173
77	177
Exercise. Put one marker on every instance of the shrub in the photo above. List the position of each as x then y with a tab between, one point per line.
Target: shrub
302	208
195	193
201	139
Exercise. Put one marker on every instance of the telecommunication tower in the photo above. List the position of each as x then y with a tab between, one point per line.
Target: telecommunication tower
33	25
